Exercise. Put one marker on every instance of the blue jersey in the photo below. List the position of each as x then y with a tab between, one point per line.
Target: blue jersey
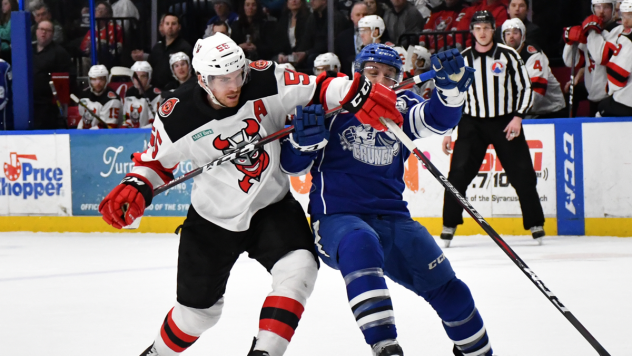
361	170
6	105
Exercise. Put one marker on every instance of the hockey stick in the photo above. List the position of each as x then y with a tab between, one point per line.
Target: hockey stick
52	88
494	235
571	90
144	94
76	100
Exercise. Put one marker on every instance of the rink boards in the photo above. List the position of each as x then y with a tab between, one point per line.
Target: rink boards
54	181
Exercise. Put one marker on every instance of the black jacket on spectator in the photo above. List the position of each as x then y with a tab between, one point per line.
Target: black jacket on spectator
159	60
52	59
260	35
314	41
281	37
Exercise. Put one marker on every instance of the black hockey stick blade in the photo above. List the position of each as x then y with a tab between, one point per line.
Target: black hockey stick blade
495	236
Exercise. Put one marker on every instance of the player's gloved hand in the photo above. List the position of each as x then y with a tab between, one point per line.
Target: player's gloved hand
451	71
124	204
574	35
310	133
371	102
592	22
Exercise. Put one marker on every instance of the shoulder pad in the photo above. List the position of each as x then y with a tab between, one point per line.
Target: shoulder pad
260	65
167	107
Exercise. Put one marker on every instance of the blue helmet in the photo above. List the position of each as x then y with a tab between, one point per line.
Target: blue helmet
380	53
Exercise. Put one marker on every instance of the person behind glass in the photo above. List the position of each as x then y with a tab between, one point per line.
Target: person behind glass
519	9
443	18
181	69
314	40
348	44
5	28
290	29
218	26
110	35
375	7
252	31
495	104
41	12
223	12
403	18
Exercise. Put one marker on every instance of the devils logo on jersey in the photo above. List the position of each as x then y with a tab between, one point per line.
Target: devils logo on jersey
167	107
260	65
251	164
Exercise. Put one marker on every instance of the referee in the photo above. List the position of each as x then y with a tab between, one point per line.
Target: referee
495	104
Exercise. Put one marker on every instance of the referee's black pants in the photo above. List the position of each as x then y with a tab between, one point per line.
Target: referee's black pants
475	135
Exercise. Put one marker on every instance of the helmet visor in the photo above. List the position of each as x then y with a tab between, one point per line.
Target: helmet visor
228	81
376	73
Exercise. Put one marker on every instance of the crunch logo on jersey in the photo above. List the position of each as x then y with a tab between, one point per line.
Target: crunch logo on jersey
252	164
369	145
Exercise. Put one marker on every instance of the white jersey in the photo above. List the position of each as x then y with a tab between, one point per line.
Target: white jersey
548	96
187	128
619	68
139	110
107	106
424	89
594	55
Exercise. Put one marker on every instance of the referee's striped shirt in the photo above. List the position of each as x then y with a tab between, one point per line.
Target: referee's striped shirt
501	83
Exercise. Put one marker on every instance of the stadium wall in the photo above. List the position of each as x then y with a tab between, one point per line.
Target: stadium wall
53	181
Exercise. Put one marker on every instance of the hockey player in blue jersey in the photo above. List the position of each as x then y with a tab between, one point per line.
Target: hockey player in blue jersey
361	223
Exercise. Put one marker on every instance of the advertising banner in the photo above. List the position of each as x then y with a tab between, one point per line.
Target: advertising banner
35	178
490	192
100	160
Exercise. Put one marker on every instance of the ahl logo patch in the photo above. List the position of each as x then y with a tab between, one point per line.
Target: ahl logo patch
201	134
260	65
167	107
531	49
498	68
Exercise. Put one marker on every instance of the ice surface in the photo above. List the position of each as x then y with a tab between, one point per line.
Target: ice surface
107	294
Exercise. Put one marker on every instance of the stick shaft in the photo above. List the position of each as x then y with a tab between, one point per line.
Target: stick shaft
495	236
76	100
54	90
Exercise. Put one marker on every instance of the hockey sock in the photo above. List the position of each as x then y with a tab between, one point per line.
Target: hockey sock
293	279
461	320
360	258
183	326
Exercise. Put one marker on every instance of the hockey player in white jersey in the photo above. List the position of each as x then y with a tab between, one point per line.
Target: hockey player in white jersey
593	49
326	62
235	208
548	99
619	68
180	65
103	101
419	61
141	101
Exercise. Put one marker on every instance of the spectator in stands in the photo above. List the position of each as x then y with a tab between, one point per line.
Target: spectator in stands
519	9
443	18
217	26
374	7
223	12
42	12
125	8
253	31
5	28
348	43
48	57
159	57
110	37
403	18
181	69
497	8
290	29
548	100
315	38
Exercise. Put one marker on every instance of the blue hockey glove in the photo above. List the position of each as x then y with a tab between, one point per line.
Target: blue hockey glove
310	132
448	66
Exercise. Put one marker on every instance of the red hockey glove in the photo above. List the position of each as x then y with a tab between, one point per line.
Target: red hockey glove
125	196
592	22
574	35
371	102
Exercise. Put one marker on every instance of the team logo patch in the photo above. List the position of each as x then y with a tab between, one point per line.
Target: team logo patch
260	65
251	164
167	107
111	95
157	91
531	49
369	145
498	68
